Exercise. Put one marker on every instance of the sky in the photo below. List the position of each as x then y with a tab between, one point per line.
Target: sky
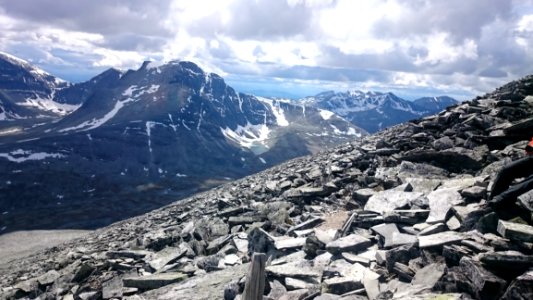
285	48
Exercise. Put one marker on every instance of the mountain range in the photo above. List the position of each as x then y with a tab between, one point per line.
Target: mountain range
123	143
374	111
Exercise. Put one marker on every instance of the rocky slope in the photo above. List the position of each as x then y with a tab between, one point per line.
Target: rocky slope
398	215
374	111
141	139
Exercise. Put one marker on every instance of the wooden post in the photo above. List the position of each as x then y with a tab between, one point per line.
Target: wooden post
255	280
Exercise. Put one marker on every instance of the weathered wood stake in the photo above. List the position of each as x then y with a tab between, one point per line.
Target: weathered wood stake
255	280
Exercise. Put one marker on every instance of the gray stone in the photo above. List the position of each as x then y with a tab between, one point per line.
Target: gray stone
390	200
408	295
352	258
515	231
392	236
428	276
240	220
526	200
260	241
289	243
48	278
474	193
112	288
521	288
325	236
276	290
231	260
507	259
295	295
218	244
83	272
27	286
404	272
166	256
432	229
402	254
485	284
350	243
135	254
411	216
297	283
298	269
469	215
363	195
454	253
453	223
207	286
385	230
153	281
439	239
233	211
440	202
341	285
422	184
311	223
91	295
443	143
371	284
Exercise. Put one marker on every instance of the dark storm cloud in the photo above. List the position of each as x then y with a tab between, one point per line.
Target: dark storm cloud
462	19
260	19
390	60
106	17
133	41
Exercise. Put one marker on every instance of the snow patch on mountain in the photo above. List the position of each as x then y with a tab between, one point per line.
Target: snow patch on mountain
253	137
325	114
139	91
350	131
50	105
20	155
275	107
95	123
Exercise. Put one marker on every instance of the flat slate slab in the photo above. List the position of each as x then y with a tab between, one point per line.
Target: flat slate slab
155	281
507	259
296	269
515	231
439	239
290	243
350	243
389	200
165	256
440	202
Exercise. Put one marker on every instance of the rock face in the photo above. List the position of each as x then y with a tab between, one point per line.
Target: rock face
308	217
151	136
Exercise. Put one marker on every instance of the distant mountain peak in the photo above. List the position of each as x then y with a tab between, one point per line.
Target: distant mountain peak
373	110
29	66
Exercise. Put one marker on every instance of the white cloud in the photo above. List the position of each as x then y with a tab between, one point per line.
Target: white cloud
455	44
441	50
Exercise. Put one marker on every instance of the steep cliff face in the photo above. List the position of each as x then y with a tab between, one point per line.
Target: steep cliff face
397	215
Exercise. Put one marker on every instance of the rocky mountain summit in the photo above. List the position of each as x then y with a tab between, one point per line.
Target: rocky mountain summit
374	111
402	214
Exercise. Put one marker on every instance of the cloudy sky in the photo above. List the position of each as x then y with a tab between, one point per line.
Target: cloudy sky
285	47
